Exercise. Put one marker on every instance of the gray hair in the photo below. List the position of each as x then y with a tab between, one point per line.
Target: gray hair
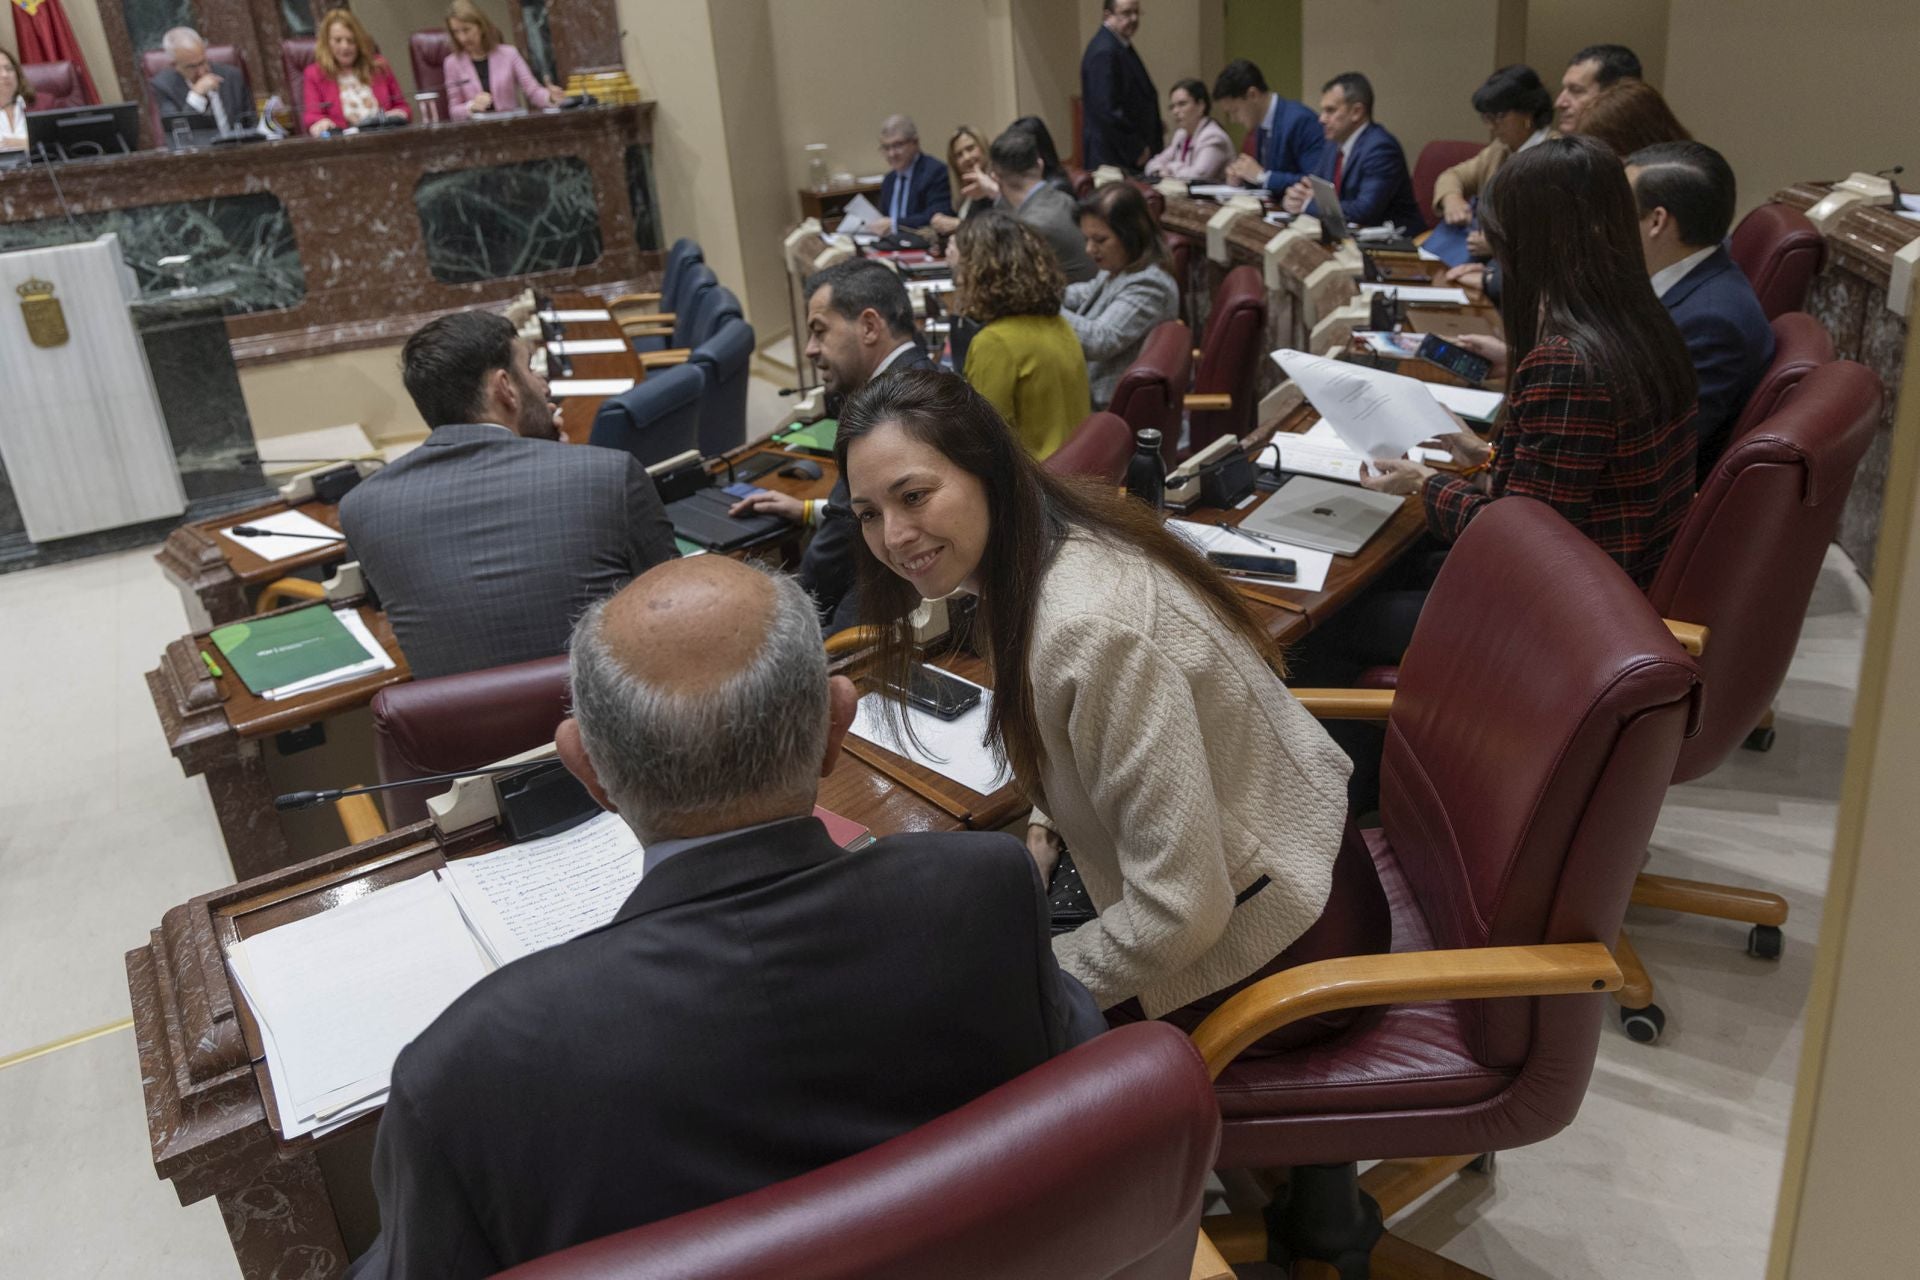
664	753
180	37
899	126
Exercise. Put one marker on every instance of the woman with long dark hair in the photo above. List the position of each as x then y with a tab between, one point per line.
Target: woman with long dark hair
1137	701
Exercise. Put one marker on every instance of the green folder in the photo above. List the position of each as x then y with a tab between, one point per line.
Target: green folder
814	437
283	648
688	547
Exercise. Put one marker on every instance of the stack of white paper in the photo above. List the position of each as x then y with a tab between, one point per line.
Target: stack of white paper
1222	191
1319	451
570	317
290	522
1466	401
1416	294
1376	414
588	346
533	895
376	660
1310	566
951	748
860	214
561	387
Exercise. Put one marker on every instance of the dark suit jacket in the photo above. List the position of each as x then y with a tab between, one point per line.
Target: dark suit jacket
1292	149
1375	187
1731	343
927	192
170	90
486	548
826	568
762	1005
1120	105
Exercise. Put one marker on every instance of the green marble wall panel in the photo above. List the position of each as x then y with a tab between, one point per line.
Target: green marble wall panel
509	219
640	194
241	246
148	20
297	16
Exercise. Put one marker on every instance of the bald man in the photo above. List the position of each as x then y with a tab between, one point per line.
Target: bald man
764	1003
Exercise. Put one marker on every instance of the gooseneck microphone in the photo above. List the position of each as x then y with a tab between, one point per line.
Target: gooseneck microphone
254	531
309	799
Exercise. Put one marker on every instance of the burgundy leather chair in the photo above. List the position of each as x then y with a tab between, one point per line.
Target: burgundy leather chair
55	85
1152	392
1801	344
1231	349
1089	1166
296	55
1179	263
1436	158
1781	252
154	61
1098	447
1744	567
462	722
427	49
1081	181
1541	706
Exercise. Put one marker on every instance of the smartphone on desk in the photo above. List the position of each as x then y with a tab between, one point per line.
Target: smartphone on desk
1246	565
1458	361
934	691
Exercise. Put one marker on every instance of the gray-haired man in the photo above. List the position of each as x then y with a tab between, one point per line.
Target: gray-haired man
763	1004
195	86
915	187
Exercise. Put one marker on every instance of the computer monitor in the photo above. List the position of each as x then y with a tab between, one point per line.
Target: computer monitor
76	133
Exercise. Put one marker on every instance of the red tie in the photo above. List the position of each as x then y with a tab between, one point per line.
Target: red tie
1339	167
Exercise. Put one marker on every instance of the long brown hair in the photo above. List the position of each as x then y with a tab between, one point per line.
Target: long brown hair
1030	511
370	63
1631	115
1564	226
954	175
468	12
21	86
1005	269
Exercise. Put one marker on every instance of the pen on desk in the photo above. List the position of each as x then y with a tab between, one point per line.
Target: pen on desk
1256	537
212	667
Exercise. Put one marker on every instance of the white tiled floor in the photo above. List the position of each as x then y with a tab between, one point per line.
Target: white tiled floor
1670	1172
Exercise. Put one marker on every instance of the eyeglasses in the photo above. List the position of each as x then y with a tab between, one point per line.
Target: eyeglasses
898	144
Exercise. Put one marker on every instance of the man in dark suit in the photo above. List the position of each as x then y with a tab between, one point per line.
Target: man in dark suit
1363	161
764	1003
915	187
195	86
859	326
1119	103
1284	141
1686	195
487	542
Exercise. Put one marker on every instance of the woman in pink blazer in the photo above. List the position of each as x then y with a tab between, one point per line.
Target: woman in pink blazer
347	82
484	74
1201	150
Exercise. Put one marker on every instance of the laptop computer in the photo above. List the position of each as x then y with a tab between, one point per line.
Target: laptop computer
1326	207
702	518
1323	514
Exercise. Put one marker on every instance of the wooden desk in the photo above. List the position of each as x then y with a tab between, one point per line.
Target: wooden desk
577	412
219	578
830	204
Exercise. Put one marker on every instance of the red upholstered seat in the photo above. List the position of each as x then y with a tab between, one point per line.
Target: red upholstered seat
55	85
1801	344
1081	181
1098	447
427	49
154	61
1231	349
1089	1166
1436	158
296	55
1179	262
462	722
1151	394
1781	253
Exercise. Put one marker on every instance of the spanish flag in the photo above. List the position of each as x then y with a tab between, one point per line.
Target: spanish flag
40	27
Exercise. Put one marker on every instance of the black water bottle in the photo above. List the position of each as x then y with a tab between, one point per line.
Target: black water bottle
1147	471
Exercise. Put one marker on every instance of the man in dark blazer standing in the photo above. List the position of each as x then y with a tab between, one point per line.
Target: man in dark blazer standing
195	86
489	540
763	1004
1121	108
1686	195
915	187
1362	160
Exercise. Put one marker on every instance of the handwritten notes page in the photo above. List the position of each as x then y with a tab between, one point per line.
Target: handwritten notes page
951	748
542	892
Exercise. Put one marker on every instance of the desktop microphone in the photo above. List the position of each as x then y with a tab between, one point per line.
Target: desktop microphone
252	531
309	799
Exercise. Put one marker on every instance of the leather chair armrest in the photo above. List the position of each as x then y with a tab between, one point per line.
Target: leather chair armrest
1209	400
1352	982
665	359
1691	635
360	816
1346	704
286	590
634	299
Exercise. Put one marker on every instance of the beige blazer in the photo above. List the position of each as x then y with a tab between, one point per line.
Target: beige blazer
1469	176
1179	771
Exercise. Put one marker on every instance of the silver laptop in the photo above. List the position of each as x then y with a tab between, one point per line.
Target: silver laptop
1326	207
1322	514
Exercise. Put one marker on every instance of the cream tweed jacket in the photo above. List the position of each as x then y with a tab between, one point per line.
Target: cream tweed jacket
1179	770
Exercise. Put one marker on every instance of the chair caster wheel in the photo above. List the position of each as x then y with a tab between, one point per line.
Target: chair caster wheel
1764	942
1482	1164
1759	740
1643	1025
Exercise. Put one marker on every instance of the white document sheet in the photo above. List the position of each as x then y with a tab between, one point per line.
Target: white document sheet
1223	191
542	892
283	522
588	346
589	386
569	317
860	214
1310	566
1466	401
1376	414
376	660
951	748
1416	293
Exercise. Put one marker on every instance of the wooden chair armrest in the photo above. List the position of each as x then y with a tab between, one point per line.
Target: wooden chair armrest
645	317
1207	1262
285	590
852	640
1351	982
1346	704
1209	400
635	299
664	359
647	330
1691	635
361	818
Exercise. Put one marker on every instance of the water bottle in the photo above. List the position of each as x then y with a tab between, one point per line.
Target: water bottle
1147	471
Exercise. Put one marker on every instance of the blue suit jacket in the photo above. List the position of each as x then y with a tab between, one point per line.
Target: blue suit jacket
1375	187
927	192
1294	148
1120	108
1731	343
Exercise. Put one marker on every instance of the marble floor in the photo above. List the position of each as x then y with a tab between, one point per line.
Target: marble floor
1670	1171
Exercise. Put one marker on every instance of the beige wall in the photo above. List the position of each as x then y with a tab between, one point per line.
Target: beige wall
1425	60
1047	42
1790	93
1558	29
763	188
84	17
331	391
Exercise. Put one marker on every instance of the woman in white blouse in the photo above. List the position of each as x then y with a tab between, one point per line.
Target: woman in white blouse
16	95
1201	150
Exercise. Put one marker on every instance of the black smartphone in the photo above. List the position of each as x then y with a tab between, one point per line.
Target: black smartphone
933	690
755	467
1253	566
1458	361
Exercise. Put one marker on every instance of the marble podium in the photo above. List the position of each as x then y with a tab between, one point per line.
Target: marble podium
84	439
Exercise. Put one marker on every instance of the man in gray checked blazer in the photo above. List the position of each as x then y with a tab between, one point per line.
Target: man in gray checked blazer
488	542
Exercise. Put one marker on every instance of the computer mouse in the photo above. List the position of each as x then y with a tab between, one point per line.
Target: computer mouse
801	470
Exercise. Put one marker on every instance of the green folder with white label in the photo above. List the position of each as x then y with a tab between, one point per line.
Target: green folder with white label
816	438
284	648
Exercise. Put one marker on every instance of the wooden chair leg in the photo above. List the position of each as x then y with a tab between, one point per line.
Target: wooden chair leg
1240	1237
1636	988
1395	1184
1701	898
1207	1262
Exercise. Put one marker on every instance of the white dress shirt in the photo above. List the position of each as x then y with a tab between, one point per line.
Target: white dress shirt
1672	274
13	125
